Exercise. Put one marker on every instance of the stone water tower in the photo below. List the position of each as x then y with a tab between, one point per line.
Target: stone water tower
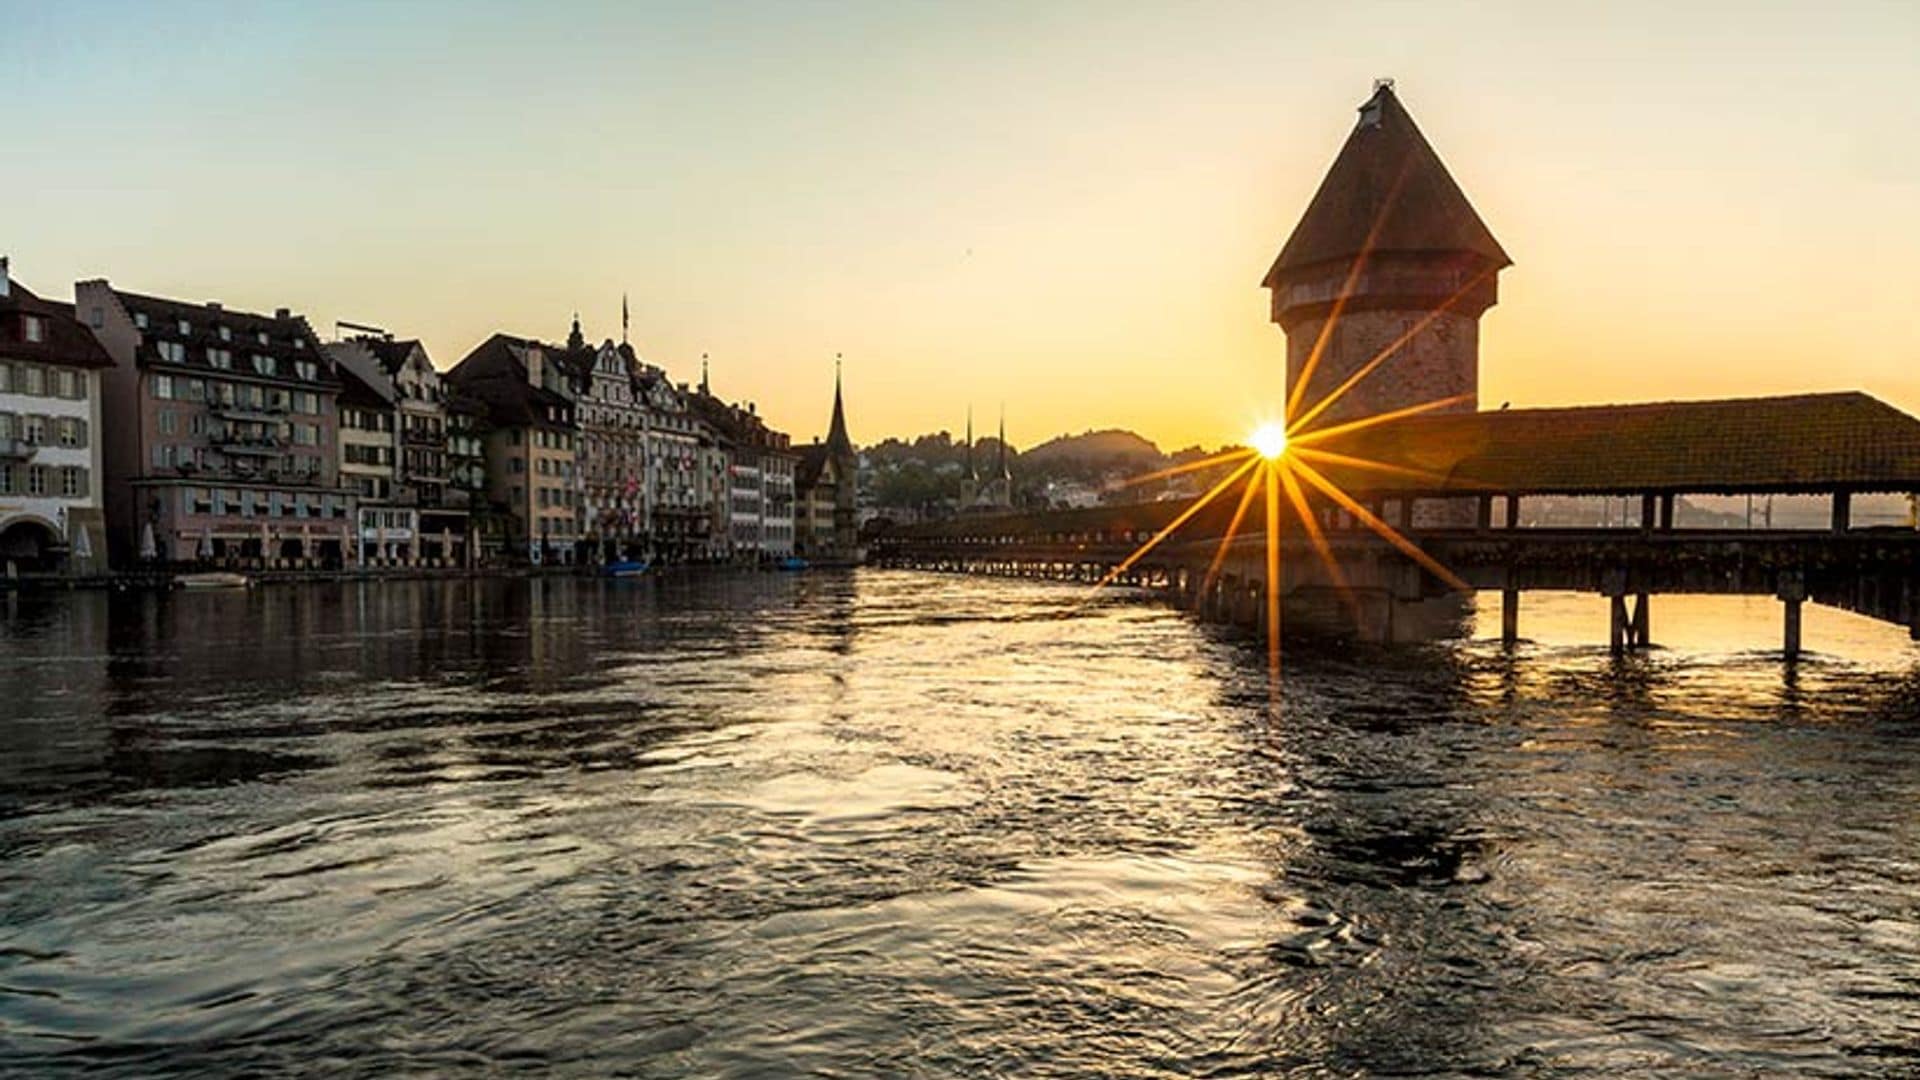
1391	231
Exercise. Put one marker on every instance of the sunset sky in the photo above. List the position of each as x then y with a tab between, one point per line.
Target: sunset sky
1065	207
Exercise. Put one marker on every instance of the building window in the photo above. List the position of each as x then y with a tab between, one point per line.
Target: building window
6	378
36	329
221	358
186	328
73	483
172	352
33	381
265	364
226	333
140	320
36	479
7	479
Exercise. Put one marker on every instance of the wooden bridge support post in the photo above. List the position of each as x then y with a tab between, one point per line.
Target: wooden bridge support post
1613	585
1642	618
1509	616
1792	591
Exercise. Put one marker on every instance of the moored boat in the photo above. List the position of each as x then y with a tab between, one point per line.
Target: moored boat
213	579
631	568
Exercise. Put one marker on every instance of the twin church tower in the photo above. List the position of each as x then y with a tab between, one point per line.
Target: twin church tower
1392	255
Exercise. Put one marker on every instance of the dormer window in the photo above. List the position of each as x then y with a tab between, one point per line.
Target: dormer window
226	333
263	337
36	329
186	328
140	320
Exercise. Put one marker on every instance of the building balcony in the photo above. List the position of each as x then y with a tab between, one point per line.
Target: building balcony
18	450
233	443
266	414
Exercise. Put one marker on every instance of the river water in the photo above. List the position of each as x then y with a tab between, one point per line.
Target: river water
890	824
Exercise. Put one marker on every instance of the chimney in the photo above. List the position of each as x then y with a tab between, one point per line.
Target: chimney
213	306
6	283
283	314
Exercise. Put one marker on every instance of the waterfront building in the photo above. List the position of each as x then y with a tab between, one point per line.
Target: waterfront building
613	416
684	470
383	530
220	444
828	491
50	476
531	443
424	519
760	472
487	521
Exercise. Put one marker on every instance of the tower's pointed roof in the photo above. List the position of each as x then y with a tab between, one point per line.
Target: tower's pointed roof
1005	473
1387	177
837	440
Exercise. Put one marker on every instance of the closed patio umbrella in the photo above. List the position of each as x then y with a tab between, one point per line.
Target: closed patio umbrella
148	549
205	550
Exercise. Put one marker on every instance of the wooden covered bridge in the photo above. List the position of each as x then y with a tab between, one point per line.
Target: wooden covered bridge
1457	488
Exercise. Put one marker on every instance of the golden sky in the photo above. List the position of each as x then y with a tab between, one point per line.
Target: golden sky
1065	207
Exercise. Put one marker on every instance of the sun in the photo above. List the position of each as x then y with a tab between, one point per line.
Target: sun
1269	440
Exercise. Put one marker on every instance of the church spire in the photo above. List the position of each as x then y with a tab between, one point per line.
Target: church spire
971	473
837	440
576	340
1004	472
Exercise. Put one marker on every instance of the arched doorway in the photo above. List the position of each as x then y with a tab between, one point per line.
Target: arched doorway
31	545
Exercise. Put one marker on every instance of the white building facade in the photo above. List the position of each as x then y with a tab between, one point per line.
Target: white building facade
50	478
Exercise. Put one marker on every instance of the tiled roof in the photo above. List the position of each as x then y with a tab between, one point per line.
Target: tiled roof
1779	444
67	344
358	392
495	373
289	338
391	354
1386	173
813	462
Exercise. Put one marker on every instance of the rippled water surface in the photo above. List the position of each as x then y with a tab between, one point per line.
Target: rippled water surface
885	824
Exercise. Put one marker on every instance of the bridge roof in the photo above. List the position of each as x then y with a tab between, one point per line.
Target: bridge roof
1805	443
